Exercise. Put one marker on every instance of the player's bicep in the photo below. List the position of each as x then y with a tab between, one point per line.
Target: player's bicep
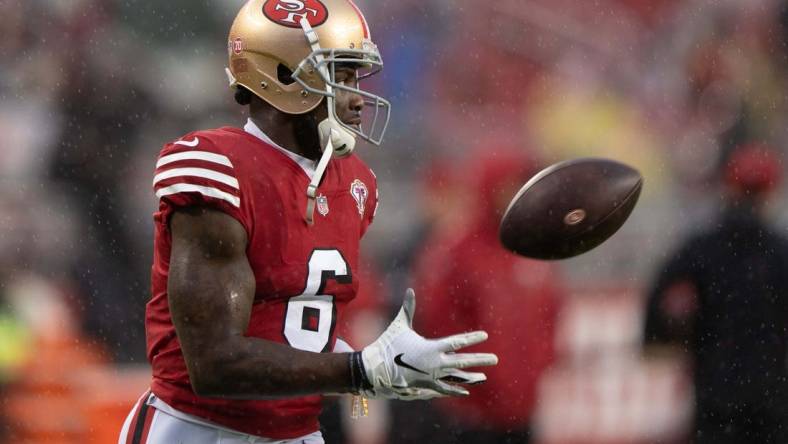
210	284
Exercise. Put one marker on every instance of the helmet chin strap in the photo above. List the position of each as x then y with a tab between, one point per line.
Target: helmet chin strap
335	140
311	190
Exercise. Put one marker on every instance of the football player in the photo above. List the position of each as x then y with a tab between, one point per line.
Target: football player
257	244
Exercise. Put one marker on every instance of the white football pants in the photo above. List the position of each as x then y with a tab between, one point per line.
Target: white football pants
152	421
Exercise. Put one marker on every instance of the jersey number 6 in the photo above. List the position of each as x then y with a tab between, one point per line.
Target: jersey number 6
310	317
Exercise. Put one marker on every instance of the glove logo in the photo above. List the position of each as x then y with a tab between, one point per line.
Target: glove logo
290	12
398	360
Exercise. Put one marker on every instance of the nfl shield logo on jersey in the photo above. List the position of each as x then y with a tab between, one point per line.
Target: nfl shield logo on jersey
322	205
359	192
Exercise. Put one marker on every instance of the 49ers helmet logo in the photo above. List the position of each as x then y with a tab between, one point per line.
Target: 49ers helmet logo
290	12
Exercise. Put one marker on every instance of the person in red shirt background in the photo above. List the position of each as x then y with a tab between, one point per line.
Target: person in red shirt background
470	282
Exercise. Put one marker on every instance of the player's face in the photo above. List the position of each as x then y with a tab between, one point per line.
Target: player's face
348	105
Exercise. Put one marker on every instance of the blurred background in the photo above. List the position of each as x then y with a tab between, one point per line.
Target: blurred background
484	94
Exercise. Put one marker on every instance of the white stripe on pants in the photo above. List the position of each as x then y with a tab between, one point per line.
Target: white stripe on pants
168	429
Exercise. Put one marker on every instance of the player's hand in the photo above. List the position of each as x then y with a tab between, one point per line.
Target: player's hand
408	394
402	364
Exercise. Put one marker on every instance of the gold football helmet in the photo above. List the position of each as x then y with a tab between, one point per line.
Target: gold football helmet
285	51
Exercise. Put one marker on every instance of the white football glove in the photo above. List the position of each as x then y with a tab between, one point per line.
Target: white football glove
408	394
404	365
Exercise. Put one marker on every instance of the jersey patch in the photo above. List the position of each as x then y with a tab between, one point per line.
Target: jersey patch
360	194
322	205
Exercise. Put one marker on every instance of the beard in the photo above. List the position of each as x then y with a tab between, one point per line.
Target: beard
305	133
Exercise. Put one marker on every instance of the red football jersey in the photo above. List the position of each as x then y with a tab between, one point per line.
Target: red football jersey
305	275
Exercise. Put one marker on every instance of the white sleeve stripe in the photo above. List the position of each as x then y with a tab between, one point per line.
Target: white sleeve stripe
197	172
195	155
205	191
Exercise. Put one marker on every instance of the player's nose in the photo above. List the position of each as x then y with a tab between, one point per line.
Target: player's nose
356	103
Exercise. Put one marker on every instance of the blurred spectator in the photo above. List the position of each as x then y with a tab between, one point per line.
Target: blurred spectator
14	348
104	109
474	284
723	299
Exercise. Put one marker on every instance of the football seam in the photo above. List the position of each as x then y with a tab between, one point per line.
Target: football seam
633	194
549	170
626	199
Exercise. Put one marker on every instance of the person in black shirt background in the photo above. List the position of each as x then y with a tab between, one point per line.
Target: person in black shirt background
723	299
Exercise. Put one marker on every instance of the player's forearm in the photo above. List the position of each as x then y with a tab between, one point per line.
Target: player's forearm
251	368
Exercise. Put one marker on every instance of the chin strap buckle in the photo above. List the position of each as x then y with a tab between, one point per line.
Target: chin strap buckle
311	197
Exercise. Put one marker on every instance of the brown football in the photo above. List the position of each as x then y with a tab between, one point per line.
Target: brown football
569	208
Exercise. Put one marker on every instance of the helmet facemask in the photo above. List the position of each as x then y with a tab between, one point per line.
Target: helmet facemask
368	62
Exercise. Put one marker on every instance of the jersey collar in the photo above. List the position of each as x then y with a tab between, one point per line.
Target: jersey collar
307	165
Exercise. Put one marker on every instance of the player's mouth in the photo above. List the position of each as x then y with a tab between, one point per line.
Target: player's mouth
352	118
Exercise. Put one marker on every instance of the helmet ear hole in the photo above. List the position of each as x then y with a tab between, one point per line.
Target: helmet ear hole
284	75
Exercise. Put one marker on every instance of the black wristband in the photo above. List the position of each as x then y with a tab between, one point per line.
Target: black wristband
355	380
358	374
